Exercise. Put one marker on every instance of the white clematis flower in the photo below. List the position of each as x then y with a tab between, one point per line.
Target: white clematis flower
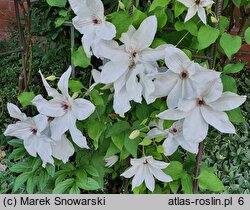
110	161
64	109
90	21
147	169
35	133
207	108
30	130
130	63
174	138
195	6
182	79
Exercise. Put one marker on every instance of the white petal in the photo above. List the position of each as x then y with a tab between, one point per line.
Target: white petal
88	40
63	149
134	88
15	112
148	88
41	122
195	128
160	175
149	179
111	50
126	37
164	83
64	82
83	25
203	75
187	105
202	14
31	145
155	132
170	146
188	89
211	90
96	8
112	71
175	95
217	119
110	161
175	58
137	162
120	83
172	114
187	3
148	27
130	172
228	101
78	137
44	150
121	102
82	108
190	146
206	3
153	54
51	91
191	13
80	8
52	108
156	163
139	176
106	31
60	125
96	75
21	130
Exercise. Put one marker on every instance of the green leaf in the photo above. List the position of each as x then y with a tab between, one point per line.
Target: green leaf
174	186
43	180
21	167
20	180
17	154
117	128
112	150
118	140
187	183
91	170
235	115
131	145
80	58
247	35
161	16
63	186
230	44
224	23
178	9
229	83
122	21
175	170
237	3
75	85
190	26
138	17
25	98
57	3
143	111
208	180
74	190
31	183
50	170
96	97
146	142
158	3
81	176
59	21
15	143
91	184
233	68
207	36
95	131
160	149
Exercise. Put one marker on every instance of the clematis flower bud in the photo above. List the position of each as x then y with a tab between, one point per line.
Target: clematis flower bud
134	134
121	5
2	167
51	78
75	95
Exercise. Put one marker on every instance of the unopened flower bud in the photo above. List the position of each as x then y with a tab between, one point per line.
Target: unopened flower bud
2	167
134	134
213	19
75	95
51	78
107	87
121	5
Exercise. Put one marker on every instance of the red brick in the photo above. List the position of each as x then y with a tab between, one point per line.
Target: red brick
4	5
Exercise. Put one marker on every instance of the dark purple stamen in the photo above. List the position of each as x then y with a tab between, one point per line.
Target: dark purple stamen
184	75
34	131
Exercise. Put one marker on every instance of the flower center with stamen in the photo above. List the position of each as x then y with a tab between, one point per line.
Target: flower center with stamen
184	75
173	131
200	102
96	21
197	2
34	131
145	162
65	106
